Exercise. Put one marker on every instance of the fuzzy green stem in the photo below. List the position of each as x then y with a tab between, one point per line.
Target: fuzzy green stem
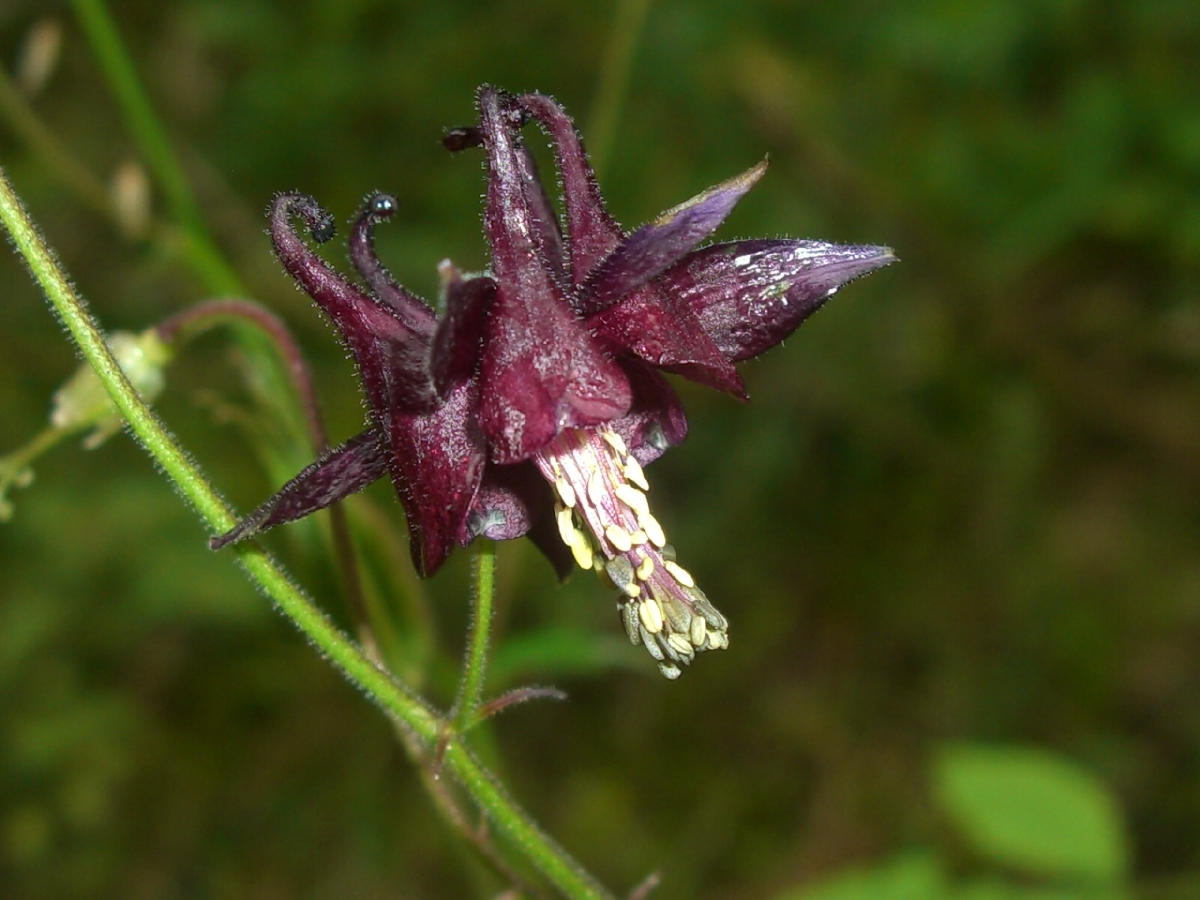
470	687
378	684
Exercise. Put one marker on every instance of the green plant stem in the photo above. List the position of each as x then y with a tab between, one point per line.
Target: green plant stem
470	686
408	709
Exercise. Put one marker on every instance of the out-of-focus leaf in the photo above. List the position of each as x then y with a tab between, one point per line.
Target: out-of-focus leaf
1032	810
994	889
914	875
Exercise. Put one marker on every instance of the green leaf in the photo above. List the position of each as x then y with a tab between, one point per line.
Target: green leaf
913	875
1002	890
1032	810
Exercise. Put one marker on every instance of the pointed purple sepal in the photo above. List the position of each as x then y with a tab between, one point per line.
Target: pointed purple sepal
750	295
594	233
541	370
339	473
456	342
655	326
658	245
437	462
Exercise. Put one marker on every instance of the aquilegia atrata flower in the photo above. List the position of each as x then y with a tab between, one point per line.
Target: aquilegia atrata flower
530	406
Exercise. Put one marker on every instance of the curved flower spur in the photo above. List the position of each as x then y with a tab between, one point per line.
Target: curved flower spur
531	405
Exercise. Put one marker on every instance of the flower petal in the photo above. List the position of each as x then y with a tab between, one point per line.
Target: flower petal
547	230
594	234
437	463
541	370
392	358
515	501
456	343
655	247
750	295
655	326
339	473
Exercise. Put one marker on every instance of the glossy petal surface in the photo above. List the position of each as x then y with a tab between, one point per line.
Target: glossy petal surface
658	245
541	370
750	295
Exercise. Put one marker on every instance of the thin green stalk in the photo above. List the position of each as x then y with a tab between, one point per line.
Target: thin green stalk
470	686
551	859
378	684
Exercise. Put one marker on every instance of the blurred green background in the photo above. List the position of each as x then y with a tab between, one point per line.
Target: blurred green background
960	515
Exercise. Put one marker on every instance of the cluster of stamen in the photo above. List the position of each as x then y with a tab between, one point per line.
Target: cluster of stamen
604	518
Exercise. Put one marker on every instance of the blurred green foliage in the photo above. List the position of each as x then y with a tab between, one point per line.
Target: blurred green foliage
963	504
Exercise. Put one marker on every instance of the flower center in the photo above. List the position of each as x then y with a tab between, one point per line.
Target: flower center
604	518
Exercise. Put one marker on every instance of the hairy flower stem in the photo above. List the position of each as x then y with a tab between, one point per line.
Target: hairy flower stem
393	697
470	686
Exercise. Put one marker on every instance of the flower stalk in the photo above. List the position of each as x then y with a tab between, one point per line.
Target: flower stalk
470	686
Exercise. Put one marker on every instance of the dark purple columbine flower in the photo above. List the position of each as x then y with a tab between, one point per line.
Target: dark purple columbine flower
531	404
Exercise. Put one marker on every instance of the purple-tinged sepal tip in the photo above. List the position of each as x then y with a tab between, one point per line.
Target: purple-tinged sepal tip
750	295
656	246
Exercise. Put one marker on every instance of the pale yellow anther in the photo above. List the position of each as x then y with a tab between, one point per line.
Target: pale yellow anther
566	525
631	590
615	441
680	644
581	549
633	498
637	538
633	471
698	631
645	569
565	491
650	615
618	537
653	530
595	488
679	573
